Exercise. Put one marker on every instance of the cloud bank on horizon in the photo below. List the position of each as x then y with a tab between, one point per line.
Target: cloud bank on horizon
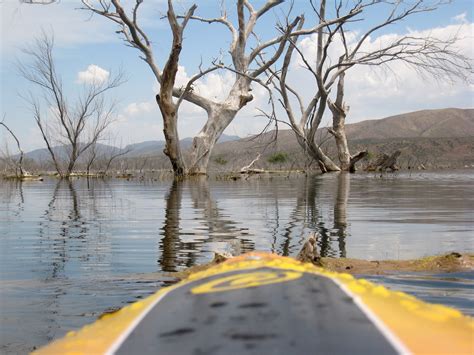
371	92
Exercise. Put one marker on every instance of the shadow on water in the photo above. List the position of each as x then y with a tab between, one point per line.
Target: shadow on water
214	227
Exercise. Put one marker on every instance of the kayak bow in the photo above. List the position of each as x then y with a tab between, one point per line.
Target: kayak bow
263	303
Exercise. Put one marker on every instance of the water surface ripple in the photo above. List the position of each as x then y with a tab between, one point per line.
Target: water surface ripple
70	250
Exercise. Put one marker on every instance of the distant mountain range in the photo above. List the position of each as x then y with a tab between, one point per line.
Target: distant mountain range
143	149
444	123
430	138
442	137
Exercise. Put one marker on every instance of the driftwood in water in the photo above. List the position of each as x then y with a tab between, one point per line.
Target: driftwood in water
247	169
253	171
355	158
385	162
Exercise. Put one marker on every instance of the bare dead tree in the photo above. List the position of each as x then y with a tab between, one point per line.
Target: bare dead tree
168	108
38	2
74	126
426	55
18	164
114	154
92	155
244	64
98	157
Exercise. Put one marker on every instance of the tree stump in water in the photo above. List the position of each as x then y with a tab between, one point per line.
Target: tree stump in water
385	162
356	158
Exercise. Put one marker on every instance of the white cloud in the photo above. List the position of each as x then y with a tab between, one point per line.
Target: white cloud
461	18
144	129
215	85
21	23
377	92
92	75
137	108
182	77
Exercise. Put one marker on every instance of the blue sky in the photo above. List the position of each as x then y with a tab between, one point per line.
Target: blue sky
82	41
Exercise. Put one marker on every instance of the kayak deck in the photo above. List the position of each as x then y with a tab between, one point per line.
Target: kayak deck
261	303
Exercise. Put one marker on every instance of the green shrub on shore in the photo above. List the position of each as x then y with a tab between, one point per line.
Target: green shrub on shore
220	160
278	158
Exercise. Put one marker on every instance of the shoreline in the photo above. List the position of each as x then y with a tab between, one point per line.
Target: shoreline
163	175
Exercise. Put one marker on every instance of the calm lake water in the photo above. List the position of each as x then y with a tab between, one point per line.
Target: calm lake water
72	250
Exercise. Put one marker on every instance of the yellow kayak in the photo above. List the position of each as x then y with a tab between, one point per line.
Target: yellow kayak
261	303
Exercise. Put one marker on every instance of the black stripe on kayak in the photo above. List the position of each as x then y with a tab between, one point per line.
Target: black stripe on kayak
308	315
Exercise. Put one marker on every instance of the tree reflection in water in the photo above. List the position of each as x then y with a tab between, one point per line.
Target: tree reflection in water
308	216
71	241
186	239
13	203
340	211
215	228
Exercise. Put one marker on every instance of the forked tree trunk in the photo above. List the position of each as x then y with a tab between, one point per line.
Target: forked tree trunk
325	163
72	160
339	112
203	143
314	151
247	63
219	117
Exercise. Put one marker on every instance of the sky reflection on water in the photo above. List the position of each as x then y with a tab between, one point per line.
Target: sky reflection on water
71	244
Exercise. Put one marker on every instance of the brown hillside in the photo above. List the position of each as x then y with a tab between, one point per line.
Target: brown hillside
432	138
448	122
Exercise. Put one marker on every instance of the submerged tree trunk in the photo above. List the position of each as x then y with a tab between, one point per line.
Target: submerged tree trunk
339	112
168	108
72	159
170	130
325	163
314	151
